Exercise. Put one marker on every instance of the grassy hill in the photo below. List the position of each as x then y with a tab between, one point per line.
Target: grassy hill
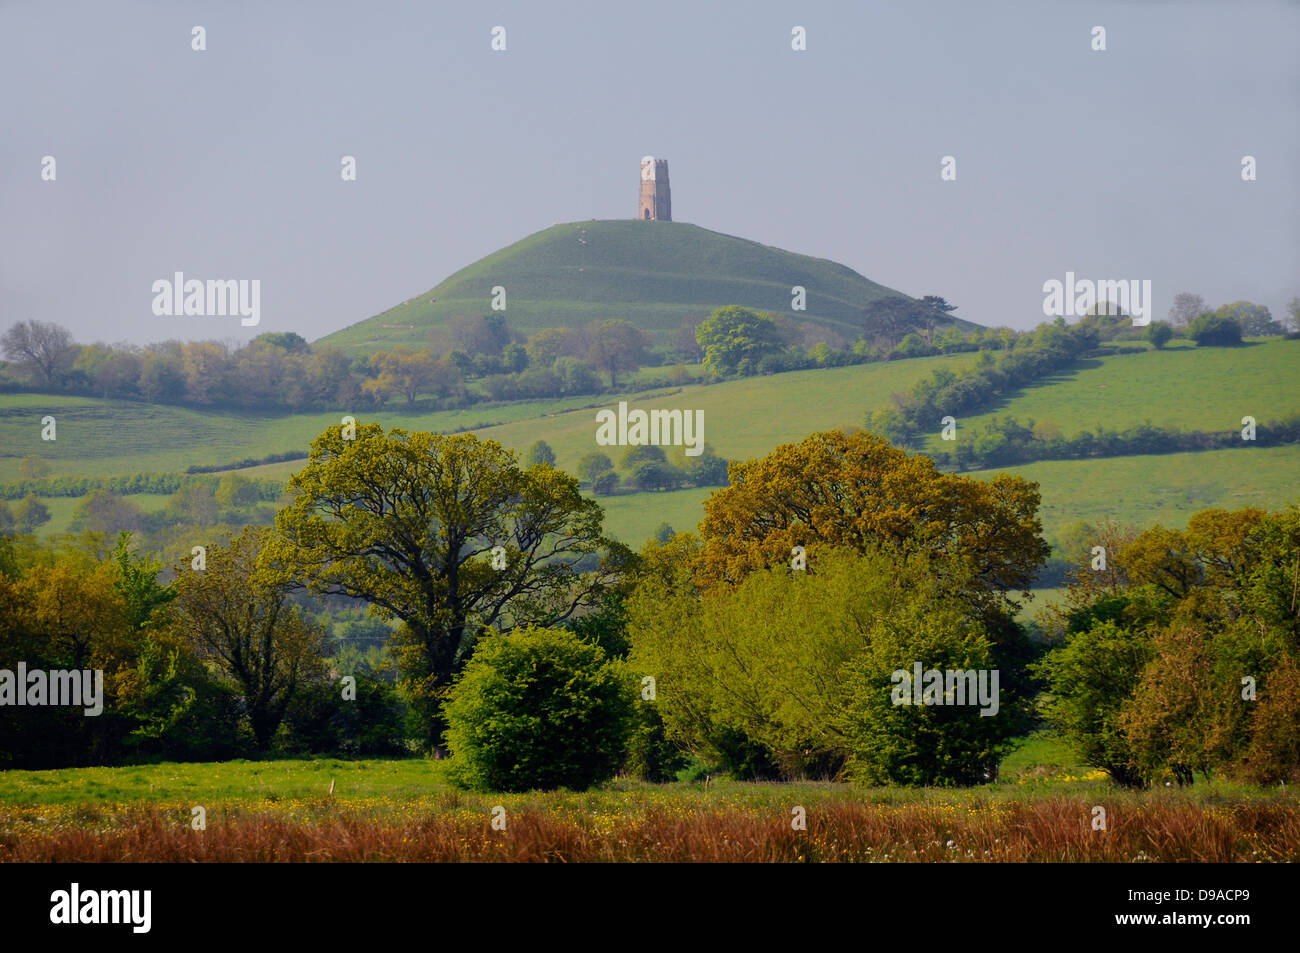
654	274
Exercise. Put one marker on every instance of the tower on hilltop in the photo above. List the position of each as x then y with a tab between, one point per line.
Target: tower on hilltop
656	200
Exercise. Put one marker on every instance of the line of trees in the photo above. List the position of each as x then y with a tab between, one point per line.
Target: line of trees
1034	355
1008	442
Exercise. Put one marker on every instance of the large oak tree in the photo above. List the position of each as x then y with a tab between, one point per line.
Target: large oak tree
412	522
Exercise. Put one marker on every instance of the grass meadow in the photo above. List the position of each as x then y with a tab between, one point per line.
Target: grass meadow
404	810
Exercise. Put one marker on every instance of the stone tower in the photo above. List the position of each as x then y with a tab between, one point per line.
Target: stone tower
656	200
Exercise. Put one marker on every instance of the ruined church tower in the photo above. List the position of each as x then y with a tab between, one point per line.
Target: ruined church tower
656	201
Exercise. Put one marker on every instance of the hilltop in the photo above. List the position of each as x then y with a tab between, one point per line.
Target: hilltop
654	274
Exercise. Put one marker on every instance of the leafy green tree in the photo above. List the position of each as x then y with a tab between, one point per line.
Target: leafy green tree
605	483
236	491
240	619
7	522
735	339
593	465
137	581
1159	334
781	666
409	522
1090	678
1215	330
538	708
654	475
31	514
514	356
1255	319
663	532
541	452
647	453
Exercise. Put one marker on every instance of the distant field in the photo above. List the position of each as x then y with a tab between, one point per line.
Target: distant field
741	418
1165	488
1195	388
1185	387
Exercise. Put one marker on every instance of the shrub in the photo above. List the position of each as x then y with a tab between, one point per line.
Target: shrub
1159	334
605	483
539	708
1215	330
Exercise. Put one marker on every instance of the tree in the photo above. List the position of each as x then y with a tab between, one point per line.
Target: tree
289	341
605	483
240	619
409	522
792	663
541	452
638	454
735	339
1091	677
1215	330
539	709
105	513
545	346
617	346
31	513
32	467
892	318
1159	334
593	465
1255	319
656	475
44	350
403	371
663	532
137	581
857	490
514	356
1293	314
1185	309
236	491
7	522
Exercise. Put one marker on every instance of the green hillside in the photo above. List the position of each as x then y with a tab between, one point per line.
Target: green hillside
654	274
1195	388
1185	387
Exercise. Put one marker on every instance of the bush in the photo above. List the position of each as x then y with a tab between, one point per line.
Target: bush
1215	330
605	483
539	709
1159	334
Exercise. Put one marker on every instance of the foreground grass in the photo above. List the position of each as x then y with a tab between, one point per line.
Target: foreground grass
404	810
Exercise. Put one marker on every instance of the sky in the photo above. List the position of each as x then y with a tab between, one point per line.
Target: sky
226	163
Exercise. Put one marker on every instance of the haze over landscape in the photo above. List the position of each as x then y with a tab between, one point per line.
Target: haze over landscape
226	163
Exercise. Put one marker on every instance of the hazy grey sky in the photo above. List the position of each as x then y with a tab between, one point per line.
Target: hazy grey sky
226	163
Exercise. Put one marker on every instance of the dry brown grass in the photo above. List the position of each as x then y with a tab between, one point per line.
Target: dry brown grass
1046	829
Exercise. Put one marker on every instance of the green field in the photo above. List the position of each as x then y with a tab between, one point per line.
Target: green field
742	418
747	418
1184	387
568	275
1162	488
